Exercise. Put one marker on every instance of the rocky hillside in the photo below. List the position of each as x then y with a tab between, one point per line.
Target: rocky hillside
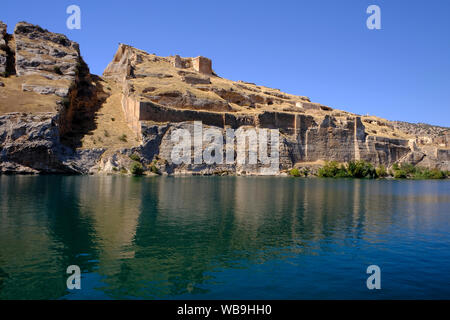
57	117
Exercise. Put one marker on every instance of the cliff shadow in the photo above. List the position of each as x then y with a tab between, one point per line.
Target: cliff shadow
85	100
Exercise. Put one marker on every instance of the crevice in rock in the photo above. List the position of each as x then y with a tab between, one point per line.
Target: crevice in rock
79	108
11	55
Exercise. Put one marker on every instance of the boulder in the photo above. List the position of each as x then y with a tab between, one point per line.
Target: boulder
59	91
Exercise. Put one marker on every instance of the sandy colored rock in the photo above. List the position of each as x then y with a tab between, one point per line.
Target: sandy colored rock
3	48
55	117
39	51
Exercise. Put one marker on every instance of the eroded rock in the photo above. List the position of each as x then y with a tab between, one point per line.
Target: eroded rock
41	52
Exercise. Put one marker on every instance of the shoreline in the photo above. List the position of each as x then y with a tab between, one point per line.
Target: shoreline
183	175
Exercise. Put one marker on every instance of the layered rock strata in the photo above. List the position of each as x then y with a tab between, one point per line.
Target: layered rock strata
47	64
60	102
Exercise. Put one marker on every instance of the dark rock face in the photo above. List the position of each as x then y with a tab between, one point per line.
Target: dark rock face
152	138
3	48
303	144
30	144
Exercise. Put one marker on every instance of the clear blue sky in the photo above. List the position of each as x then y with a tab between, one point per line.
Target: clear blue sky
318	48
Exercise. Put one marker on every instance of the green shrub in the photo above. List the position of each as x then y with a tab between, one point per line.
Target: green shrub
294	172
400	174
135	157
123	138
106	133
408	168
342	172
154	169
381	171
424	173
354	169
137	169
329	170
436	174
361	169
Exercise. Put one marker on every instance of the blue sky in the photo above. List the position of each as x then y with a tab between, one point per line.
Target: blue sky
318	48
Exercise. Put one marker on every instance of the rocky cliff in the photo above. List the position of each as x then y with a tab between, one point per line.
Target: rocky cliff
55	117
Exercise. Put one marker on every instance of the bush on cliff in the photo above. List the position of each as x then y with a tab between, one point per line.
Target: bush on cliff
137	169
135	157
123	138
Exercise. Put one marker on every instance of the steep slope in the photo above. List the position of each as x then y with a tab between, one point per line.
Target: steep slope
47	94
111	129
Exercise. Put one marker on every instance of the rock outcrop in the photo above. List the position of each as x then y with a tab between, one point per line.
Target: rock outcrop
310	132
29	143
47	54
157	96
3	48
47	64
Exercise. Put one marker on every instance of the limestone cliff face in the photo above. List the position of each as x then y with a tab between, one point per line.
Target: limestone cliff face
47	82
169	90
29	143
3	48
60	103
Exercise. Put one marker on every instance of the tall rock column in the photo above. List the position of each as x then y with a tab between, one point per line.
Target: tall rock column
360	138
3	48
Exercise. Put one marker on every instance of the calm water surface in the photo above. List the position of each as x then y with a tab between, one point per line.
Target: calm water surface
224	237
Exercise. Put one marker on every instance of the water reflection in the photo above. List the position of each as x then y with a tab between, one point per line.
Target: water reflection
181	237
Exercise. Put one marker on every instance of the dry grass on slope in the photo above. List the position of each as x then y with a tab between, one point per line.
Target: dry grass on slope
13	99
112	131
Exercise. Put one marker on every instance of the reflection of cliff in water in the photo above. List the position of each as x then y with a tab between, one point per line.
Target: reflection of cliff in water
189	227
43	230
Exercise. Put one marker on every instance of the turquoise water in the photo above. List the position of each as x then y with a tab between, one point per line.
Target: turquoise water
223	238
